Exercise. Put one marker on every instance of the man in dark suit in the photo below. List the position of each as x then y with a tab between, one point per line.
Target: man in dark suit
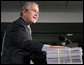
18	46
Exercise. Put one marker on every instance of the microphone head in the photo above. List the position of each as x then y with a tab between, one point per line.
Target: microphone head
62	38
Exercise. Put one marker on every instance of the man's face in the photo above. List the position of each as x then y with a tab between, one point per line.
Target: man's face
32	15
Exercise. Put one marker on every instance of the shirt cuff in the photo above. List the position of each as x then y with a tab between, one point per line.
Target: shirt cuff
45	47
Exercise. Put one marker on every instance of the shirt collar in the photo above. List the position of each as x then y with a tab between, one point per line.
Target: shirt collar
25	21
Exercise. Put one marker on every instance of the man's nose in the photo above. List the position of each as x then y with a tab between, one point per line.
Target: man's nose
37	15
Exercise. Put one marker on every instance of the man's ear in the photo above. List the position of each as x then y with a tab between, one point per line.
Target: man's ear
24	12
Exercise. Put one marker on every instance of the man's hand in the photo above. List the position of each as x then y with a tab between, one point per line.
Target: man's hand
58	47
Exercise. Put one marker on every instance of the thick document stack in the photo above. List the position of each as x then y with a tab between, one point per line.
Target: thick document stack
64	55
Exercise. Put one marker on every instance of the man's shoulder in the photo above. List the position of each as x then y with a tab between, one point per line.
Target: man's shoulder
19	22
16	25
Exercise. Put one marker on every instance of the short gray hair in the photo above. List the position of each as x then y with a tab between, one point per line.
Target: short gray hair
26	6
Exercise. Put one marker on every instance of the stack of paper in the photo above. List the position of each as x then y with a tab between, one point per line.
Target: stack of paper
64	55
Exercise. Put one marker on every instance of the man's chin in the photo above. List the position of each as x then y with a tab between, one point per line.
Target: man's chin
34	22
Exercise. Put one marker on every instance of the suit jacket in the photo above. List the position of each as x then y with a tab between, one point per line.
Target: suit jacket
18	46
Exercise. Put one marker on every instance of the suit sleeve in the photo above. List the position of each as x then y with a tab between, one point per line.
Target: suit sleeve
20	39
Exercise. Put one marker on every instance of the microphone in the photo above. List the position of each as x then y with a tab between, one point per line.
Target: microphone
62	38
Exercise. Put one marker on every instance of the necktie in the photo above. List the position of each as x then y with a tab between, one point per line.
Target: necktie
29	28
